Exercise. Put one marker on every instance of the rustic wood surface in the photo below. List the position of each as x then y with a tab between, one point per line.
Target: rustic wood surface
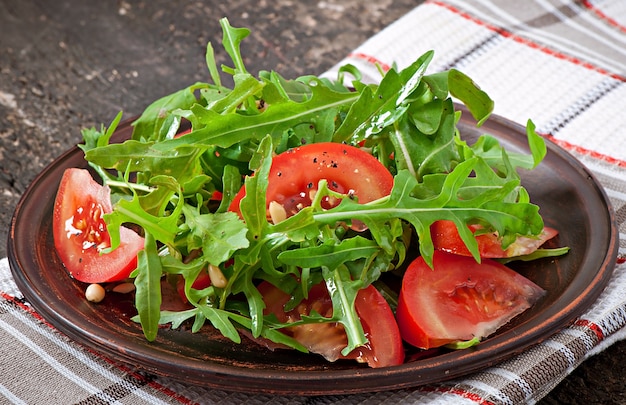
67	65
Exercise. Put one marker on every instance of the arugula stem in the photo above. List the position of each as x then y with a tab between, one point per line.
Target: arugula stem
127	185
350	319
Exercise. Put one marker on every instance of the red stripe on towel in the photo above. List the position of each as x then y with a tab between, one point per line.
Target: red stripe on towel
591	326
370	59
458	391
587	152
527	42
603	16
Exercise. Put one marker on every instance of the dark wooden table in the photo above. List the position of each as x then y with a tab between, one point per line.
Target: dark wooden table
67	65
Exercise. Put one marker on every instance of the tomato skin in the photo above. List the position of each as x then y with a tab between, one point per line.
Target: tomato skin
384	348
80	232
295	174
459	299
446	237
380	328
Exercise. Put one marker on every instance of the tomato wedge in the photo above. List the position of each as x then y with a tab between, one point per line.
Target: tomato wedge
459	299
295	174
80	232
329	339
446	237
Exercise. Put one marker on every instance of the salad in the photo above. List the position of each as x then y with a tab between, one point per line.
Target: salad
278	209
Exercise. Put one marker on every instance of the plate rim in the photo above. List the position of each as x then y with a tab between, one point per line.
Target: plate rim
349	381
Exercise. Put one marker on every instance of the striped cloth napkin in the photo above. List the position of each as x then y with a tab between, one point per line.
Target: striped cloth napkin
558	62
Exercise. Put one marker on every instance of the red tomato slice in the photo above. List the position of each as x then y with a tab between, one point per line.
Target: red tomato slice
295	174
446	237
459	299
80	232
329	339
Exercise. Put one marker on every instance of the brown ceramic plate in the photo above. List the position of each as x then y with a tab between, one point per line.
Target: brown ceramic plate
570	199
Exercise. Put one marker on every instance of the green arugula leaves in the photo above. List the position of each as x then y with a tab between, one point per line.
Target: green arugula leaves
164	184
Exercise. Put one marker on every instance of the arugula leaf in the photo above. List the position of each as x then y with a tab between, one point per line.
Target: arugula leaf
94	138
148	288
270	333
220	319
134	156
464	344
507	218
375	110
537	145
163	228
330	255
255	305
253	204
343	291
490	149
421	153
218	235
227	130
175	318
231	40
537	254
463	88
149	125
